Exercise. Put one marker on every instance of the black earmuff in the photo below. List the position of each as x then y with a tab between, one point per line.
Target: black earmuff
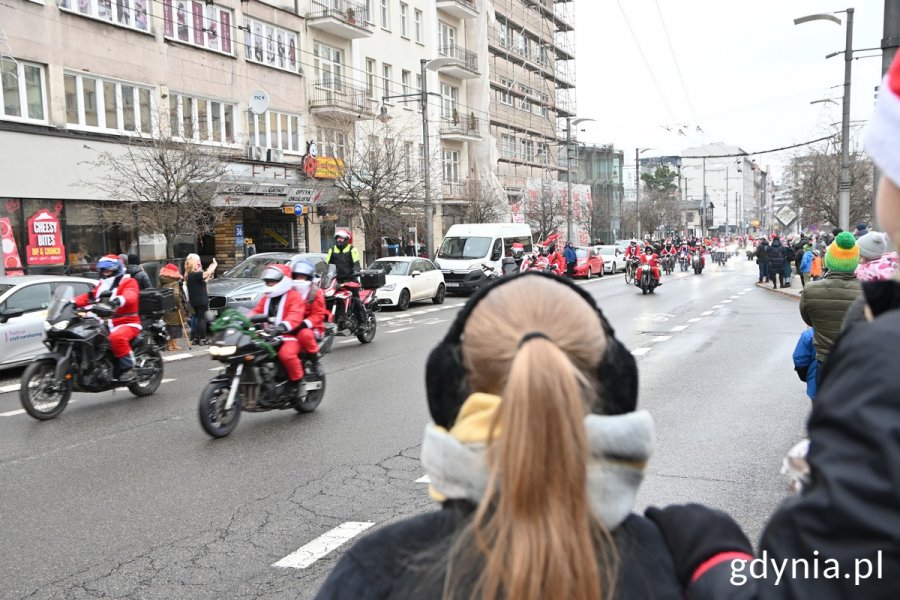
445	373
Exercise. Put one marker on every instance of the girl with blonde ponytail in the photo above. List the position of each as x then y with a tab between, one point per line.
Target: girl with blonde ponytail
535	455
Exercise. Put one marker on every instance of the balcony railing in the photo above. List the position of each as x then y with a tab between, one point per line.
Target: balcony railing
468	59
459	8
351	12
460	127
341	96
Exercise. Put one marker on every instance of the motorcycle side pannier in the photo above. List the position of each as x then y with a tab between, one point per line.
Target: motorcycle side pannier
372	279
156	302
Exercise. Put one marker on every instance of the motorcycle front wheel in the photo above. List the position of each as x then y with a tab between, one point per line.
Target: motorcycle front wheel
148	366
214	419
37	395
368	335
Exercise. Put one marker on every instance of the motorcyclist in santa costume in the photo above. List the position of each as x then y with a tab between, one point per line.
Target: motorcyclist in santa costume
286	309
649	257
312	328
122	292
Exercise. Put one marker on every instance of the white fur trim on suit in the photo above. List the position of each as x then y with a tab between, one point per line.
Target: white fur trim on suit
882	139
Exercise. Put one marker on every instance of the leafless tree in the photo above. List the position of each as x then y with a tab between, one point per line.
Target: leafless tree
168	185
543	210
481	203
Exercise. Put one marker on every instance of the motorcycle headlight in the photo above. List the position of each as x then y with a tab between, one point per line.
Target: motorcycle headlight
388	288
222	350
247	298
59	325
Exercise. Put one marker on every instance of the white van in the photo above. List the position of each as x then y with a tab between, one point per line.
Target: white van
467	246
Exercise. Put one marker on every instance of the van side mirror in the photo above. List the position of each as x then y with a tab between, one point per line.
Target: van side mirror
495	255
8	314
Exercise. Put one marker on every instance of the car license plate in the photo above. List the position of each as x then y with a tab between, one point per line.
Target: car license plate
450	284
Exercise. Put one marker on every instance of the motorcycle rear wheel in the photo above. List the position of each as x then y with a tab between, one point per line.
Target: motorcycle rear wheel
35	378
369	335
147	384
213	418
313	397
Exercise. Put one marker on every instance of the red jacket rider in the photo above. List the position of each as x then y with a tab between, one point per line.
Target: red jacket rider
632	251
650	258
312	329
287	309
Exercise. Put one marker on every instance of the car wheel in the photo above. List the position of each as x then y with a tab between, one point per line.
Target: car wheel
615	269
589	274
403	301
440	294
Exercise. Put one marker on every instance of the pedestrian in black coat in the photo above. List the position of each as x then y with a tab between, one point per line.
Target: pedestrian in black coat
762	259
777	260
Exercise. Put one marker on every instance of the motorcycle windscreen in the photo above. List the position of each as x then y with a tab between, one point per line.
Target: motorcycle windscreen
61	297
328	277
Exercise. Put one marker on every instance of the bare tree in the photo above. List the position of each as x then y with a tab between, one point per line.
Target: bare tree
169	185
481	203
543	210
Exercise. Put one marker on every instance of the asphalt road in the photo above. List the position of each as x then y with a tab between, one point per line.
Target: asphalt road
128	498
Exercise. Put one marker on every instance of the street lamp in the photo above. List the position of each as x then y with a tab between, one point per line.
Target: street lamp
435	64
844	200
569	123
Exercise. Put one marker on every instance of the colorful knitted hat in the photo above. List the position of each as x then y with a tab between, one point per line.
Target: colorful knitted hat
882	140
843	254
873	245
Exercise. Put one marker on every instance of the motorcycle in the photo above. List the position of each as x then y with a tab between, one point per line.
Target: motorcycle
720	256
253	379
80	358
696	262
684	261
668	264
644	279
541	263
339	303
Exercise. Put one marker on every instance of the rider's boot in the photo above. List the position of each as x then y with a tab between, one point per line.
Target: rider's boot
297	389
126	369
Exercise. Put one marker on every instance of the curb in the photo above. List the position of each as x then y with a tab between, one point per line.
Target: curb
783	292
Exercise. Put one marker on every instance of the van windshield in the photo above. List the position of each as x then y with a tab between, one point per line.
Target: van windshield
464	248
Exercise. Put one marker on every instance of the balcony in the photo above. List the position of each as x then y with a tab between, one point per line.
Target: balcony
455	190
341	100
464	64
461	9
460	129
340	18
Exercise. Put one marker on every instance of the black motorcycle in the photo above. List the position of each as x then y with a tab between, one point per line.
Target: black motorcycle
80	358
253	379
339	303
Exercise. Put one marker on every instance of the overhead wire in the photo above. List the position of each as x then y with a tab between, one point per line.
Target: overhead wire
687	95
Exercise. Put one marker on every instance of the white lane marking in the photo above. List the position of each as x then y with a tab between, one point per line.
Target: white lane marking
640	351
747	289
434	321
661	338
727	301
346	342
717	306
177	357
734	297
707	313
323	545
13	413
678	328
417	313
10	388
399	330
217	368
695	320
424	479
430	310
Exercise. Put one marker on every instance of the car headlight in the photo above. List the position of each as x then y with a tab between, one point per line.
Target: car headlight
388	288
59	326
248	298
222	350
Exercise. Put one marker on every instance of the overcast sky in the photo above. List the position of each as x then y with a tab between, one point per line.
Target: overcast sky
749	73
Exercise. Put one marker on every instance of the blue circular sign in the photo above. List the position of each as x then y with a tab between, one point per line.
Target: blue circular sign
298	209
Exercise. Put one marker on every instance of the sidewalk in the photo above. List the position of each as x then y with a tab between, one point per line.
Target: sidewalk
793	291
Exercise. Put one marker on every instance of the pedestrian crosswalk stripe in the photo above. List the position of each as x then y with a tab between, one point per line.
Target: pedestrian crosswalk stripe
177	357
707	313
323	545
640	351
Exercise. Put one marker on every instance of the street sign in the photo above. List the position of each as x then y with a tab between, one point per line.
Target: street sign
298	209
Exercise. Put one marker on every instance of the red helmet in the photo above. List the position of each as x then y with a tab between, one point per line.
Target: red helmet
343	233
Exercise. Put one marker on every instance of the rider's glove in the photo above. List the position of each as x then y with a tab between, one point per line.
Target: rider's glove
280	329
117	302
303	324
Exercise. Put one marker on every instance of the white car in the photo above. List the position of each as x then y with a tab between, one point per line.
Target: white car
409	279
23	310
613	258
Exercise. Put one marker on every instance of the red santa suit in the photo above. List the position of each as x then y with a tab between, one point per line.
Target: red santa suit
559	260
285	306
653	261
313	328
126	323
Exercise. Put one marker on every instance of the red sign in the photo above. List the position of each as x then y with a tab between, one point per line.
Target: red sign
11	260
45	243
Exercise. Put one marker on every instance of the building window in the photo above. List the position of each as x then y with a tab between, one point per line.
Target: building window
404	19
123	13
419	90
386	78
543	150
407	159
202	119
24	90
385	15
126	107
450	102
370	77
404	83
503	31
446	39
508	145
451	166
272	46
276	130
505	97
370	14
527	150
418	25
332	143
525	104
204	25
329	67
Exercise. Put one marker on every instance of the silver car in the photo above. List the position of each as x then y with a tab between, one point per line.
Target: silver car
23	309
241	286
613	258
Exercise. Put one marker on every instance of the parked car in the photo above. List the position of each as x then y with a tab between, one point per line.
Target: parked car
589	262
613	258
241	286
23	310
409	279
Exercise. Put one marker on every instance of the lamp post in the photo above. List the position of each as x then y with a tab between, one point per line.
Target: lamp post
844	199
569	223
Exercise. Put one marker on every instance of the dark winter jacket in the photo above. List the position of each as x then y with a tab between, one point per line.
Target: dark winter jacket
172	317
140	275
396	561
762	253
777	256
823	305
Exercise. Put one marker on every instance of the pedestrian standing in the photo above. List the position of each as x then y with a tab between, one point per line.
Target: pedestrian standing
805	363
777	261
762	260
805	266
170	278
571	259
195	282
815	268
861	230
133	267
876	260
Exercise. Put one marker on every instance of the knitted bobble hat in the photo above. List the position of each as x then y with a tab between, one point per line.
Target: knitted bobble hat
872	245
843	254
882	139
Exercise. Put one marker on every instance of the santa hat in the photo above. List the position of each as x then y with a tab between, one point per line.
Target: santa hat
882	140
170	270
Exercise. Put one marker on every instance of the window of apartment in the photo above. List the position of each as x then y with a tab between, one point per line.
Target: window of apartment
370	14
451	166
421	158
418	25
525	104
332	143
370	77
271	46
543	150
450	102
404	19
503	34
526	47
328	64
276	130
202	119
504	95
517	41
204	25
507	145
419	89
405	77
386	79
385	15
527	150
111	105
446	39
134	15
407	159
24	90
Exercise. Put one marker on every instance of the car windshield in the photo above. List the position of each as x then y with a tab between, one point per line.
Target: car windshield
60	300
581	253
465	248
392	267
5	288
253	267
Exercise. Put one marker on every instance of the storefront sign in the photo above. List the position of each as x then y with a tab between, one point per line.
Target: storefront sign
328	168
11	260
45	243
